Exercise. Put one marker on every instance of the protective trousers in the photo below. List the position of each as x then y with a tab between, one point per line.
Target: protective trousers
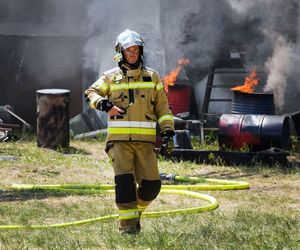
137	179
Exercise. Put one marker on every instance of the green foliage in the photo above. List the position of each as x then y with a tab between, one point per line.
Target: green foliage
217	160
295	143
209	144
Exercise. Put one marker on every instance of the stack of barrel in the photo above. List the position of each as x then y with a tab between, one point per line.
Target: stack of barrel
252	124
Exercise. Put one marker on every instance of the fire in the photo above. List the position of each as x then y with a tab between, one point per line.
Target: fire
249	83
170	79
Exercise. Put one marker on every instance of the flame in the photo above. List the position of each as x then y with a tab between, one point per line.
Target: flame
170	78
249	83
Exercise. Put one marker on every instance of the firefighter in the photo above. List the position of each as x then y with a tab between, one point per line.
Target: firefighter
134	99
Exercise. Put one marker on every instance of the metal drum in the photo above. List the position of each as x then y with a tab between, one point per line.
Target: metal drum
253	132
252	103
53	118
179	97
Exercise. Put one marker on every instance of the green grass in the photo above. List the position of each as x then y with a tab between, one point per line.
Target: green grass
264	217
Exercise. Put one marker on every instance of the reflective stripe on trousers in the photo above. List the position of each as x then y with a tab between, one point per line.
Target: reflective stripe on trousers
128	214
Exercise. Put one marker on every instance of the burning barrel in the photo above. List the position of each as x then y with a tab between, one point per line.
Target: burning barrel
53	118
245	101
252	103
179	95
255	132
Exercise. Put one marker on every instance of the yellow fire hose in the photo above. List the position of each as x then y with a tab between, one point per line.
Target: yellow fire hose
210	184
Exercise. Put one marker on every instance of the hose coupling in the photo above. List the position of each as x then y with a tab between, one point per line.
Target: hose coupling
168	177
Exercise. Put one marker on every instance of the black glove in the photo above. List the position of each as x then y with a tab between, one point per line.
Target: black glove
167	143
104	105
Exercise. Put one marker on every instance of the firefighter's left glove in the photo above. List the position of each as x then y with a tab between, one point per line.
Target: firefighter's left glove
167	143
104	105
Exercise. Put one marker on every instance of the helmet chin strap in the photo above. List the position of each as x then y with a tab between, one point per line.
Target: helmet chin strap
125	65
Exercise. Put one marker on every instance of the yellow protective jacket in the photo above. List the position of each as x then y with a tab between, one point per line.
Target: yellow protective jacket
140	92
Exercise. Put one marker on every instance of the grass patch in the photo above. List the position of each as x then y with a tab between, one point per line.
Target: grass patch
264	217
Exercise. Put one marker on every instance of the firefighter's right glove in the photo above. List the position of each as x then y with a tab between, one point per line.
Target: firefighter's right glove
104	105
167	143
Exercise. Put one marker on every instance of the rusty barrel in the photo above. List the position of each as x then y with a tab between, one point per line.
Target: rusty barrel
253	132
53	118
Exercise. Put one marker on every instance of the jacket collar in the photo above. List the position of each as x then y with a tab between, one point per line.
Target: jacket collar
135	73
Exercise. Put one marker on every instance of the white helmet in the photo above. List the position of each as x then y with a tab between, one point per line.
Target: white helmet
127	39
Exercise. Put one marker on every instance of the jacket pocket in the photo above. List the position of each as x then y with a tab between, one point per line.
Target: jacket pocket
117	97
143	96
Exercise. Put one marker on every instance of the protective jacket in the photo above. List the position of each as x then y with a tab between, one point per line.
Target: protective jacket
141	95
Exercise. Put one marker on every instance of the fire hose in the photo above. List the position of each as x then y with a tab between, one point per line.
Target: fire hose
187	190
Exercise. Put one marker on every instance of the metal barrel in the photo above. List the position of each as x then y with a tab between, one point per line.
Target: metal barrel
253	132
182	139
179	97
252	103
53	118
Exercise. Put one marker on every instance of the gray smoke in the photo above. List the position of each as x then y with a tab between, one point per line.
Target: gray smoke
106	19
201	30
218	26
39	32
265	32
280	66
42	18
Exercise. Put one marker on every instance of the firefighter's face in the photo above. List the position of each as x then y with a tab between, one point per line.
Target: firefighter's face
132	54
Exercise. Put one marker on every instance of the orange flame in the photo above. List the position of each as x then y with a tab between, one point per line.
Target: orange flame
170	78
249	83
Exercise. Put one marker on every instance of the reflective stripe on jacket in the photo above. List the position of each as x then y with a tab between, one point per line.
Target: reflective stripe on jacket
141	94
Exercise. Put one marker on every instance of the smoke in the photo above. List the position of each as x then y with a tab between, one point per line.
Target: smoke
42	18
205	31
265	34
106	19
213	28
284	76
44	36
280	65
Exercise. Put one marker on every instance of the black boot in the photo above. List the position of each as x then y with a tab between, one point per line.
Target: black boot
130	226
